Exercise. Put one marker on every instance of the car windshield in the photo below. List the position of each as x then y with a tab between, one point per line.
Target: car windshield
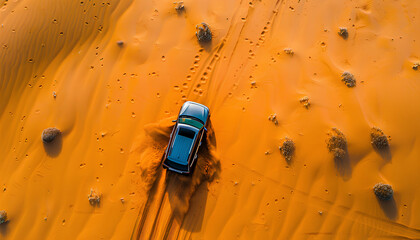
191	122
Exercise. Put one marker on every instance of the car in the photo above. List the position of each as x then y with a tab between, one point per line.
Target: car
186	137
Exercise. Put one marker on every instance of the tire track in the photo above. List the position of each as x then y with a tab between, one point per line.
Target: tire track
267	27
168	193
355	216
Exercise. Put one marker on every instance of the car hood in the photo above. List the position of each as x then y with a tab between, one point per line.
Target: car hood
193	109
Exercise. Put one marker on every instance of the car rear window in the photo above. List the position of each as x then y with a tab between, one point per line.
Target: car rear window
186	133
177	166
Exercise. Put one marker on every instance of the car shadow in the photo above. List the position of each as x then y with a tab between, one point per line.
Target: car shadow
188	194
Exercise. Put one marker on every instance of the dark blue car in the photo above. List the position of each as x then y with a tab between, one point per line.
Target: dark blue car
187	134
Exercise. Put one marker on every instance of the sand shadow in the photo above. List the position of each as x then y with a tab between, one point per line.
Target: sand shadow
389	207
207	46
4	228
188	194
384	152
337	146
343	165
150	151
53	148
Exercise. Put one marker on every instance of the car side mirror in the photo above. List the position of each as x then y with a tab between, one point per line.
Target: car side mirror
174	120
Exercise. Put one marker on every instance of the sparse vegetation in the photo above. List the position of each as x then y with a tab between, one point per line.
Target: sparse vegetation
336	140
339	154
3	217
416	66
287	149
289	51
305	102
120	43
273	118
49	134
253	84
348	79
378	139
383	191
180	7
337	144
343	32
203	33
94	198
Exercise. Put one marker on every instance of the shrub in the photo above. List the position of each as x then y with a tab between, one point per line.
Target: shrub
348	79
383	191
203	33
94	198
289	51
378	139
3	217
337	144
343	33
287	149
180	7
273	118
339	154
305	102
49	134
336	140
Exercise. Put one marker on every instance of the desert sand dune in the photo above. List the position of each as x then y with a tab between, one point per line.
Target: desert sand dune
111	75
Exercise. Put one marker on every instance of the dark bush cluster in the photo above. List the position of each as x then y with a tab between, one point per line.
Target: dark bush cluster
287	149
337	144
180	7
343	32
348	79
203	32
94	198
378	139
3	217
49	134
383	191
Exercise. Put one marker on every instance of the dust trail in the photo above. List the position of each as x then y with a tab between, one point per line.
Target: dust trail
151	149
180	188
148	154
169	194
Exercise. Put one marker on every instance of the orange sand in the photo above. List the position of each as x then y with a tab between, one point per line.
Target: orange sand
114	104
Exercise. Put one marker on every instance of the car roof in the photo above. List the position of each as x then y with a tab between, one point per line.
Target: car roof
182	145
196	110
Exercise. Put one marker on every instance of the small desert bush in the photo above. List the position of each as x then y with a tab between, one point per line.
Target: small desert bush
383	191
3	217
337	144
336	140
94	198
287	149
49	134
378	139
203	33
343	32
348	79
